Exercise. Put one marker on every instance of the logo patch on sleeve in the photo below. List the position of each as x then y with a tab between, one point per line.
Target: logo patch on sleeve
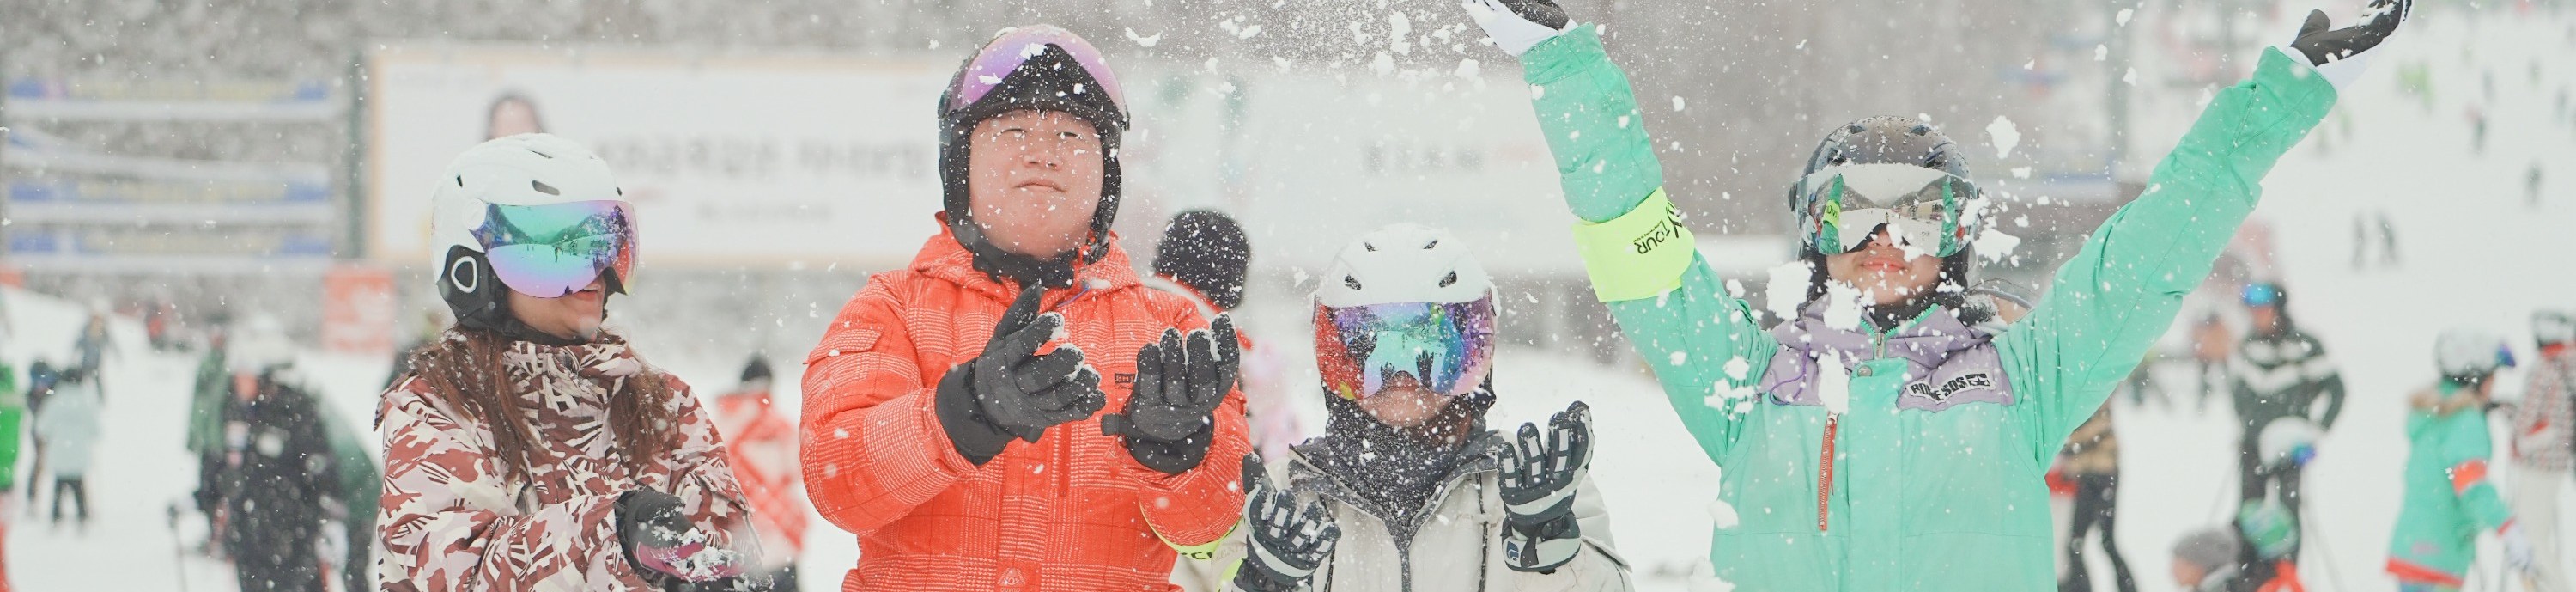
1942	392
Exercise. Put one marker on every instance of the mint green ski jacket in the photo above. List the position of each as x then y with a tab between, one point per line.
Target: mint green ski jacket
1935	481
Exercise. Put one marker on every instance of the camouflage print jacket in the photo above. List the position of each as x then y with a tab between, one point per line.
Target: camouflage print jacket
450	520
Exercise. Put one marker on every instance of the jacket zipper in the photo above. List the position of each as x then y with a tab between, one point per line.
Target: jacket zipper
1825	477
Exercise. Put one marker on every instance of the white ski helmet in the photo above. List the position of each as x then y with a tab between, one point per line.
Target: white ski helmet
1404	301
2469	355
257	344
2552	327
533	213
2289	441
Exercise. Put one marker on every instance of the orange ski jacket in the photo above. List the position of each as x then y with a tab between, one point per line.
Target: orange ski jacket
1071	511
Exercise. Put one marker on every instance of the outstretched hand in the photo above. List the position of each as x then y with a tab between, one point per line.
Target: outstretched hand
1287	545
1540	474
1170	418
1517	25
2342	54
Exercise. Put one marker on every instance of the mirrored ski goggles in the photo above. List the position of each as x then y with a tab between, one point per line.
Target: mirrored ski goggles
1443	348
1922	207
551	250
1017	46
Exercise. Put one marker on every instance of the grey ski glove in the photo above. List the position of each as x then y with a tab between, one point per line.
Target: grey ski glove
1539	478
1009	391
1287	545
1170	419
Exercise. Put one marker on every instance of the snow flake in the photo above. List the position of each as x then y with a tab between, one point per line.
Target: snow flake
2021	172
1143	40
1678	358
1993	244
1400	36
1468	68
2123	17
2006	136
1383	65
1723	513
1678	104
1787	288
2101	52
1833	384
1737	368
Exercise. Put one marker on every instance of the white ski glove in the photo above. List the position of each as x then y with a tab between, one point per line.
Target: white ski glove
1517	25
2517	548
2341	55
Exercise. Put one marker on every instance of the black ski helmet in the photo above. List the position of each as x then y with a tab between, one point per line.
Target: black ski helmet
1039	67
1883	139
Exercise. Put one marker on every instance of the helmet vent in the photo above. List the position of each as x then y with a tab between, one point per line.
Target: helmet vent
1434	243
1350	282
542	187
460	180
1371	247
540	153
1452	278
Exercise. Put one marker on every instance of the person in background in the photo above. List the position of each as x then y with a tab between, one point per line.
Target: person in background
206	402
2278	373
2247	555
41	378
93	347
1204	257
13	417
2448	496
70	426
2542	428
762	446
279	473
2092	461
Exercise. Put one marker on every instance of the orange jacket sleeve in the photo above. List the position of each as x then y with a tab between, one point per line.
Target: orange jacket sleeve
872	449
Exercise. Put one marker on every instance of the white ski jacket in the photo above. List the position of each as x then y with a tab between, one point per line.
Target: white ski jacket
1458	545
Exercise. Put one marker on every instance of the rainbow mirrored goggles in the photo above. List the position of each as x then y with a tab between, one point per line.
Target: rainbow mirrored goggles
548	251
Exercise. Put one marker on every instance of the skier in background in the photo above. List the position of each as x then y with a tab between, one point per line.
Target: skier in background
2448	496
93	347
762	446
1204	257
69	423
279	473
208	397
2277	373
1407	489
2542	428
2249	554
41	378
2092	461
1882	377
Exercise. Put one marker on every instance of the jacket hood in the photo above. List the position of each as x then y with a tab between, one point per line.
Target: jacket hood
1935	344
943	258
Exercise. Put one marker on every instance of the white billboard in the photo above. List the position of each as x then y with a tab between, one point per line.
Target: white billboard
820	159
730	160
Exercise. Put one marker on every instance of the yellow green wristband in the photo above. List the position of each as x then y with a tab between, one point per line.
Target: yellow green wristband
1641	254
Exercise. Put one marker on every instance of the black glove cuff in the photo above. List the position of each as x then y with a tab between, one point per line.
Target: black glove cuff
1555	523
976	438
1171	458
1255	576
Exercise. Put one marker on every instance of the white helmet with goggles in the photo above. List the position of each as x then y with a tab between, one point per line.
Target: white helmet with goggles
1404	303
531	213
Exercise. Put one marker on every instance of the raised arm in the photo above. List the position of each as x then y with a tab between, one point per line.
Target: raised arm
2108	304
1642	261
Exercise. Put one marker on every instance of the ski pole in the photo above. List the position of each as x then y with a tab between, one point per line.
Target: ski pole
2333	573
178	548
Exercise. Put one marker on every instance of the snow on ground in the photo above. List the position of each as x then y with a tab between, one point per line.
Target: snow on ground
2474	254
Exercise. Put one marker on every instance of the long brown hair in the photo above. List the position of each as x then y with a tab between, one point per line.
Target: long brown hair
465	367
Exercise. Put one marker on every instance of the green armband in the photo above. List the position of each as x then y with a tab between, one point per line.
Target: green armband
1641	254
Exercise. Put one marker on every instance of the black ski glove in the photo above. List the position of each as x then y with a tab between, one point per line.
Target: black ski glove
1010	391
1171	415
1518	25
1539	477
669	553
1287	545
2342	54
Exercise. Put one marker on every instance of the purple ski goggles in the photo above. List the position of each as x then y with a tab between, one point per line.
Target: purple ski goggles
1018	45
551	250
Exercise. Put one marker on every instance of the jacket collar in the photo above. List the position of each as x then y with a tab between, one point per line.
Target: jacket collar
943	258
1927	341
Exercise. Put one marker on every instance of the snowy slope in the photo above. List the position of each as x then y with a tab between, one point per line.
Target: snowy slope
2473	254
